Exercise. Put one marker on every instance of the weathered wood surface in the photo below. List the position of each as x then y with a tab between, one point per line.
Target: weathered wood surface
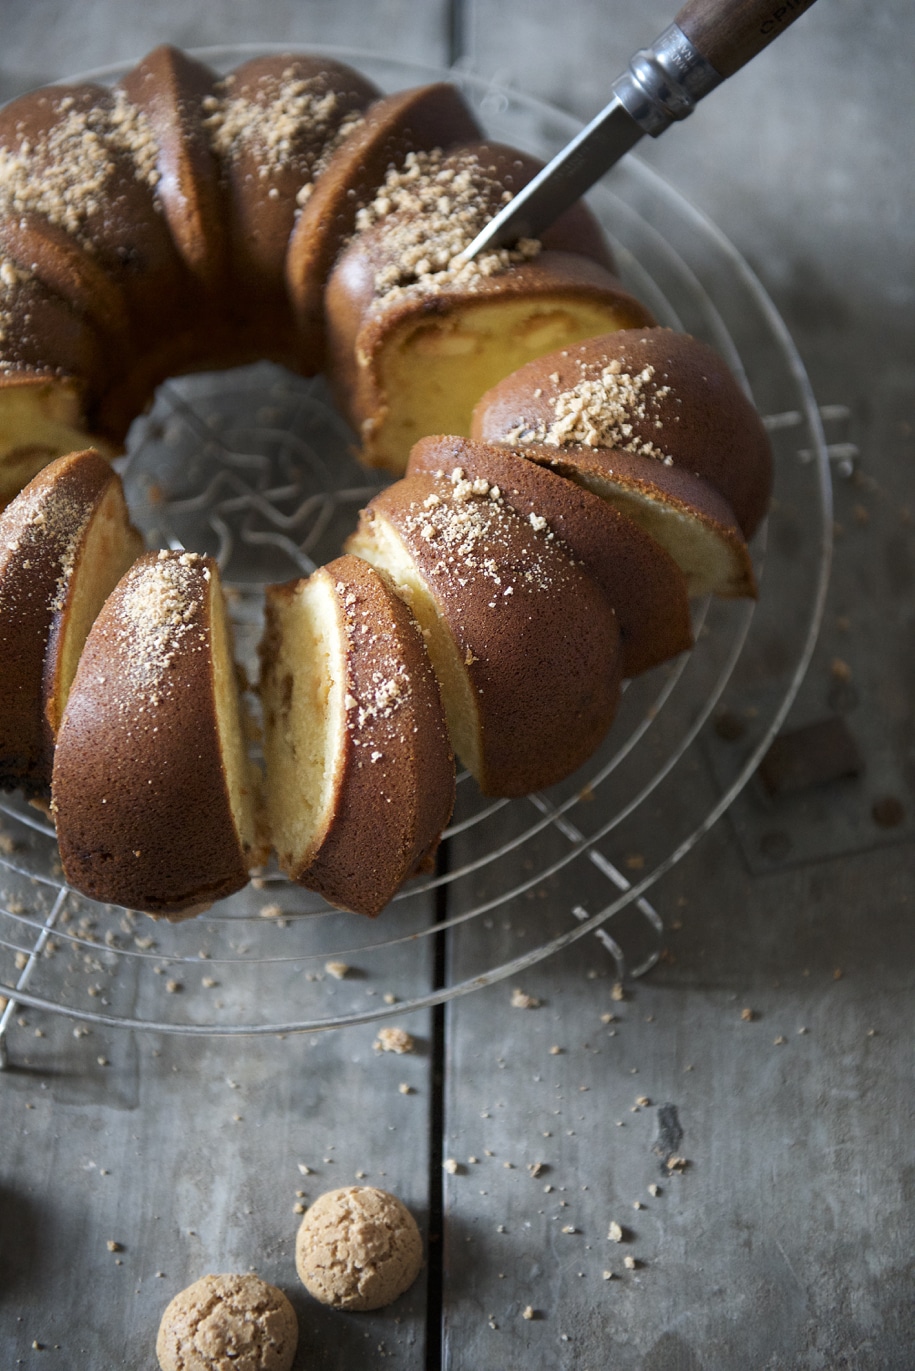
786	1241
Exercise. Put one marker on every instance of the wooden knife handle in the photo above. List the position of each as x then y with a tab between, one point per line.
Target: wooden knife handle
729	32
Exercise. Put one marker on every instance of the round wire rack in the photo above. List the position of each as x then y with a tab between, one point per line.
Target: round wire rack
257	468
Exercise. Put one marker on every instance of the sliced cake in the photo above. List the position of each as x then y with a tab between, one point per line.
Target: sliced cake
641	581
360	774
523	640
416	335
152	789
65	542
654	422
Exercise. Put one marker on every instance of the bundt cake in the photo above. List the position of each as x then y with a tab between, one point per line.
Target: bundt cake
152	790
359	769
497	594
654	422
65	542
523	640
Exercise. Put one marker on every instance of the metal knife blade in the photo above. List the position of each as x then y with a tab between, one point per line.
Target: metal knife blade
563	181
710	40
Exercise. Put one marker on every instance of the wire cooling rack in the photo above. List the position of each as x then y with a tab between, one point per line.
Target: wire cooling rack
257	468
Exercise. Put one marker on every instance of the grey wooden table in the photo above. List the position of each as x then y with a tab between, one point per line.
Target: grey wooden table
785	1240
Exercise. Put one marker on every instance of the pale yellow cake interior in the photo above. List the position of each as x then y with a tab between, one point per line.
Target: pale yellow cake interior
108	547
426	392
381	545
711	563
39	420
303	692
241	781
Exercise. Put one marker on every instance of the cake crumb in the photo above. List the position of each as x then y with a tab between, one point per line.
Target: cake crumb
615	1232
405	1089
338	970
451	1166
527	1312
521	1000
114	1246
630	1263
618	993
394	1040
747	1015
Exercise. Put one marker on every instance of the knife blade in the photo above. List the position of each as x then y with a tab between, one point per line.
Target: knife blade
708	41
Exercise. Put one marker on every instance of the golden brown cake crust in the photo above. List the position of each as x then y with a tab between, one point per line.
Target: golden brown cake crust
394	784
538	640
663	402
139	787
41	532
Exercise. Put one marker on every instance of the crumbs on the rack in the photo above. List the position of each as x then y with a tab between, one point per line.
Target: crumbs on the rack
521	1000
394	1040
339	970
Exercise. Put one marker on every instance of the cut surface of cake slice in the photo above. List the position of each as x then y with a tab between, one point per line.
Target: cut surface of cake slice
152	789
524	642
65	542
360	774
641	581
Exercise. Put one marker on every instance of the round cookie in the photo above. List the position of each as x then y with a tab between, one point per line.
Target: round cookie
228	1323
358	1248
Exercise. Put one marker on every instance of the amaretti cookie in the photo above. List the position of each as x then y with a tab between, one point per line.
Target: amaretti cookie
358	1248
360	774
152	789
228	1323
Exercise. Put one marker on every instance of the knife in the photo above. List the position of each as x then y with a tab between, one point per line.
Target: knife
707	42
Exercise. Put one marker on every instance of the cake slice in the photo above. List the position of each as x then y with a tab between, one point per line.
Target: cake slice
433	116
523	641
360	774
176	92
641	581
273	125
655	423
152	789
416	336
65	542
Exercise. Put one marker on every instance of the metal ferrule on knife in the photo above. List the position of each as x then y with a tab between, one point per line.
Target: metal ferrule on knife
665	82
